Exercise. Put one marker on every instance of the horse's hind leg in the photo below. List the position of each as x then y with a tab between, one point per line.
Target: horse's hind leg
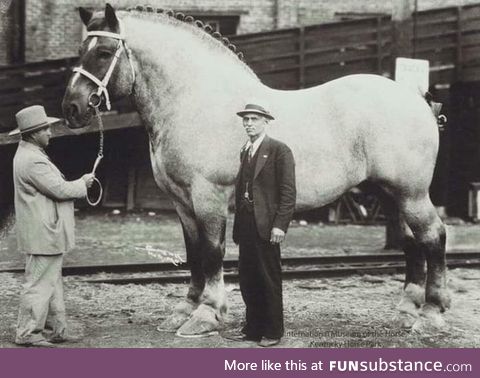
430	236
413	295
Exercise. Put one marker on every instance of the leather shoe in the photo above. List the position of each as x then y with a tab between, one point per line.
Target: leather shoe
239	337
39	344
266	342
60	340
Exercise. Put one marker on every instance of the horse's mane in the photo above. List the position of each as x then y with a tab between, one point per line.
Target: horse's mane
195	26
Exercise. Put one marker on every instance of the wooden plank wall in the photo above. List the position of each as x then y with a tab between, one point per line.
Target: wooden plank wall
450	39
286	59
38	83
28	84
311	55
295	58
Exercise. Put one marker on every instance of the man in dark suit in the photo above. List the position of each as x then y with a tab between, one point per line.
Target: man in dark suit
264	201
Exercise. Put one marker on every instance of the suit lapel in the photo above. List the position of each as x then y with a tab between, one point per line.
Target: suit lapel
242	161
263	153
243	154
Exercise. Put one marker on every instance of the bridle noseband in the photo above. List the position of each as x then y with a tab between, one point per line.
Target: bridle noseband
95	98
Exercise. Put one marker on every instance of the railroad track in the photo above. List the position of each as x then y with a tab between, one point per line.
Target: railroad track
293	267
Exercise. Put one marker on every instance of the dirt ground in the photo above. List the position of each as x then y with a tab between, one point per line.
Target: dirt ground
349	312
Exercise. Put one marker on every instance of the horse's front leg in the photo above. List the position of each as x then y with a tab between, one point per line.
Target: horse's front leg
184	309
210	203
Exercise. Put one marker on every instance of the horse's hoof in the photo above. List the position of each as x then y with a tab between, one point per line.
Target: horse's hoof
407	310
440	297
195	336
181	314
415	293
430	320
407	306
405	320
446	299
203	322
172	323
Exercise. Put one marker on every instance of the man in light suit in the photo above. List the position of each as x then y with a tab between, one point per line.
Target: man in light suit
265	196
44	228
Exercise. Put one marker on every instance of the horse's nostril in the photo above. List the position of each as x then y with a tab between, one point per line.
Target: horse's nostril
74	110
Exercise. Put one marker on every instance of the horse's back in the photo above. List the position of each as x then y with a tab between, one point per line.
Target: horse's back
355	128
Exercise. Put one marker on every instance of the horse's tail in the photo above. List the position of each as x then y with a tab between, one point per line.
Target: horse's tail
436	108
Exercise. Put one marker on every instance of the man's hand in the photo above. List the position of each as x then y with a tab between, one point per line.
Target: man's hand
277	236
88	178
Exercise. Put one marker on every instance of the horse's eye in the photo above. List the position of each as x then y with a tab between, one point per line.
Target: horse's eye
105	54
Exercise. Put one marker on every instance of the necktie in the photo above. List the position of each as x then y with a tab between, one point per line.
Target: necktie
250	153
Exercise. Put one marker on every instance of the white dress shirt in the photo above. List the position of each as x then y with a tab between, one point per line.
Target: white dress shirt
255	145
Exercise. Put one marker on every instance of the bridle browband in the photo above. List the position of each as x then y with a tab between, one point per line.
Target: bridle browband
95	99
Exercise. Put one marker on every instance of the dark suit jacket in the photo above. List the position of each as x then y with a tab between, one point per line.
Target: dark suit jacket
273	188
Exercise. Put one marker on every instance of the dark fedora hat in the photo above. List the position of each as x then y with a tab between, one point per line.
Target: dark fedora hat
32	118
257	109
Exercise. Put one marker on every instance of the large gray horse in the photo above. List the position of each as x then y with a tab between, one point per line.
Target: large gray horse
187	86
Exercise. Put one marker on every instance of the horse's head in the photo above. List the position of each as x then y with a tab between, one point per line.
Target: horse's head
105	70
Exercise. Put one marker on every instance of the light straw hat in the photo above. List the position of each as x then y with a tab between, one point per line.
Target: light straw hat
31	119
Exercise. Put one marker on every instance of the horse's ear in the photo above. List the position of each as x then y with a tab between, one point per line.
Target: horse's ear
85	15
110	17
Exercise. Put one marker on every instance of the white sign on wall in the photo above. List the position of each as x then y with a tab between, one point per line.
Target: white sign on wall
414	73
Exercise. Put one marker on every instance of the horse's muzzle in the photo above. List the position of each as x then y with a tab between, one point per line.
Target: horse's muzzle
76	115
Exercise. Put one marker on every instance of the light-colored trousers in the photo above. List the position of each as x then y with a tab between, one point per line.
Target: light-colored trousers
41	301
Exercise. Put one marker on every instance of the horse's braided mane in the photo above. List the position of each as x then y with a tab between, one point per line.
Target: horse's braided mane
189	19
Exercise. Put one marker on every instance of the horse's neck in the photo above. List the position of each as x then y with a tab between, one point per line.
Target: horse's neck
178	71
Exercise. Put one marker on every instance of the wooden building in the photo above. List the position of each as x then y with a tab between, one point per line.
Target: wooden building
291	58
34	31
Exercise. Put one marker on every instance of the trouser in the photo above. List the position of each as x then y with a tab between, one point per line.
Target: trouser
41	301
260	274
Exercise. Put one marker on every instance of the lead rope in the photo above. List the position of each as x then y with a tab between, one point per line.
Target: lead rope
98	159
95	99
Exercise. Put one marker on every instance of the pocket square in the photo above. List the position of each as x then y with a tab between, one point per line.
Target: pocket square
265	156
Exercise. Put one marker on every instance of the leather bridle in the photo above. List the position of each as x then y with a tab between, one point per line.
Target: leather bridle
95	98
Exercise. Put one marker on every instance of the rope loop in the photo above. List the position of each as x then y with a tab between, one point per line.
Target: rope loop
99	158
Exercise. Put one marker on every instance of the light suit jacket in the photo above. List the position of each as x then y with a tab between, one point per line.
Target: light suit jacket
43	203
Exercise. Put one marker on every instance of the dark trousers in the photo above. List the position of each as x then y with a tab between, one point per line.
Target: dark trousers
260	274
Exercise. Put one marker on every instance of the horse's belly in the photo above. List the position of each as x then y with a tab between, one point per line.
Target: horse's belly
316	190
324	173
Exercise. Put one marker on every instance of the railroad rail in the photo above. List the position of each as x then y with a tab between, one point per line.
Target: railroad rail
293	268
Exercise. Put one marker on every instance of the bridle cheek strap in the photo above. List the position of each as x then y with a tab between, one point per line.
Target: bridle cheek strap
102	85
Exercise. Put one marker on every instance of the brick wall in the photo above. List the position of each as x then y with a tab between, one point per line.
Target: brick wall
51	31
319	11
53	28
